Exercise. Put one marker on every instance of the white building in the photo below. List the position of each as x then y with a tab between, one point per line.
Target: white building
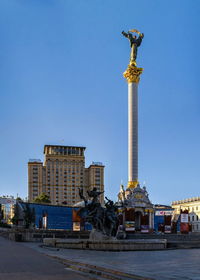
193	207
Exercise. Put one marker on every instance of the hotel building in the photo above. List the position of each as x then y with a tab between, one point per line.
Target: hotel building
62	174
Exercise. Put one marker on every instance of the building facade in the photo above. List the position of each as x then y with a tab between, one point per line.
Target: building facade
6	209
62	174
138	210
163	218
192	205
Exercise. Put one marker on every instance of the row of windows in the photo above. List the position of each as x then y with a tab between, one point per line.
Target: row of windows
193	218
65	176
193	208
195	227
64	165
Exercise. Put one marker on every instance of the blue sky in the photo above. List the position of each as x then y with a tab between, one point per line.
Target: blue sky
61	65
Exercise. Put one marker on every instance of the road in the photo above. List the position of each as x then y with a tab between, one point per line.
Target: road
19	262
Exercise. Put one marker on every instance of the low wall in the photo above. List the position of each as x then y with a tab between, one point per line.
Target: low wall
107	245
34	235
168	236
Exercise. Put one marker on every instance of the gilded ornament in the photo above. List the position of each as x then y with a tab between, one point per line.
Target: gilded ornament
132	184
132	74
139	196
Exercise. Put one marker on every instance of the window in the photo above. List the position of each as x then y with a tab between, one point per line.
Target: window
197	218
192	218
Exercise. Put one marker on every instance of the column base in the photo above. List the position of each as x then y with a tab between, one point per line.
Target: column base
132	184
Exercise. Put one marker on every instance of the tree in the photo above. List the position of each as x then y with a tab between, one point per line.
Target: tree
42	198
16	217
29	216
1	213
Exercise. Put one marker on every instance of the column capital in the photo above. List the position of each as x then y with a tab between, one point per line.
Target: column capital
132	74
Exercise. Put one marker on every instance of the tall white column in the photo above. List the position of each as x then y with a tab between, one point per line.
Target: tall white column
133	132
132	74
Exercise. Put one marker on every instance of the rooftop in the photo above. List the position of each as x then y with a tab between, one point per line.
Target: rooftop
188	200
61	146
34	160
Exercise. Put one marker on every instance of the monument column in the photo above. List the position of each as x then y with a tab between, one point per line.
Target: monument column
132	74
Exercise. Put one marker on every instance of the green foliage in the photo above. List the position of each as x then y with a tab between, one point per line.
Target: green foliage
42	198
1	213
4	225
15	218
29	216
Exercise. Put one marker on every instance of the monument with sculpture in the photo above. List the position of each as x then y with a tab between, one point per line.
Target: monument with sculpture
133	211
104	220
138	209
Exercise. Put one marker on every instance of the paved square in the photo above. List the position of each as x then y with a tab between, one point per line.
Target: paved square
183	264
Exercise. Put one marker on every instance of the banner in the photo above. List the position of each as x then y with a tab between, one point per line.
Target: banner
184	218
6	200
164	213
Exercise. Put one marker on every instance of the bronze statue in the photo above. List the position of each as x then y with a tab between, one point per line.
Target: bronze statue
134	43
94	194
111	217
103	219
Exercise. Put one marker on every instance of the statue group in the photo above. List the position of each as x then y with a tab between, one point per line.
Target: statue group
103	219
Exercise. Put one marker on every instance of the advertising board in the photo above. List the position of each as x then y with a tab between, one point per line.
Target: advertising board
7	200
168	229
144	228
164	213
184	218
129	226
76	226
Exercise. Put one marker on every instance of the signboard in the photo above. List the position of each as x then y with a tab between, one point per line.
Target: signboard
184	218
76	226
164	213
44	222
168	229
129	226
144	228
7	200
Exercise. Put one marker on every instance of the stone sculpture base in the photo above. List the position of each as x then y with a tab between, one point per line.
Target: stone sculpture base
96	235
107	245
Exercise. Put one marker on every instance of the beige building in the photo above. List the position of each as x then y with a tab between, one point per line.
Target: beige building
62	174
193	207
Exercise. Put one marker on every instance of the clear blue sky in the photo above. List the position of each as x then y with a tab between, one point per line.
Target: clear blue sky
61	65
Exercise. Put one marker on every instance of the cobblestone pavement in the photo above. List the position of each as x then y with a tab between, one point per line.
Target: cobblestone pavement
183	264
18	262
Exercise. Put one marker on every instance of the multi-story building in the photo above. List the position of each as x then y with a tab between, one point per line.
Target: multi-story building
193	207
94	176
63	174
